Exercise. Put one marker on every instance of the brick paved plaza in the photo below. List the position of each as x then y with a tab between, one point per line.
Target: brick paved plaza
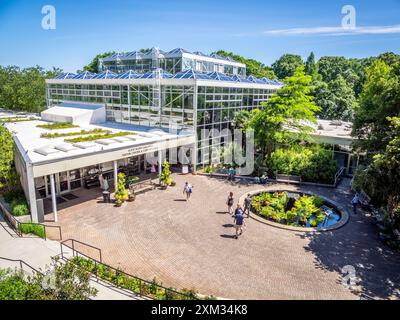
190	245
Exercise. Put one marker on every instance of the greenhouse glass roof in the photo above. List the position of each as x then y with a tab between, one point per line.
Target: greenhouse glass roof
185	74
84	75
67	75
105	75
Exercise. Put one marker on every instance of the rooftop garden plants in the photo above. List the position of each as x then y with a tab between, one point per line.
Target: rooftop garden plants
55	126
71	134
16	119
95	137
283	208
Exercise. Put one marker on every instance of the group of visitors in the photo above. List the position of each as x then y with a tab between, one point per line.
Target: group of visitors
239	214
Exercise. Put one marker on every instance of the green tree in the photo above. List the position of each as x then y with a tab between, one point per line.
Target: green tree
380	179
24	89
286	65
93	66
336	99
254	67
379	99
7	169
311	66
241	119
286	117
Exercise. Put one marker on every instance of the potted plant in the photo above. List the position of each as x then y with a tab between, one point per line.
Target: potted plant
165	176
131	195
121	194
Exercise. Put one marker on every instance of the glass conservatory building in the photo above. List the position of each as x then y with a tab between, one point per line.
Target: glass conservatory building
188	100
173	61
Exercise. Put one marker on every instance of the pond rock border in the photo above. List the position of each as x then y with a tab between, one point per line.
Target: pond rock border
343	212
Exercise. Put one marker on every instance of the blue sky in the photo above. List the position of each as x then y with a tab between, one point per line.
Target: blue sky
263	30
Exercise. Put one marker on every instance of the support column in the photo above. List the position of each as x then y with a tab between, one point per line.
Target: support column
36	216
159	164
115	175
53	196
348	163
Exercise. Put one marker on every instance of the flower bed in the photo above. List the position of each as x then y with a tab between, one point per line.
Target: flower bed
294	209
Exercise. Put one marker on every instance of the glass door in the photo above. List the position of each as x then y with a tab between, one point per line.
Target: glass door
63	182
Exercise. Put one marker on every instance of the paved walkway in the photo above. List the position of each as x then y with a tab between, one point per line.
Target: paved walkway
38	252
190	245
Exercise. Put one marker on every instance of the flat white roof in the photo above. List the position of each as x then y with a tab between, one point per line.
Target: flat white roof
40	150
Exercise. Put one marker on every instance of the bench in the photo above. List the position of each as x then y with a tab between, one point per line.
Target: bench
142	186
285	178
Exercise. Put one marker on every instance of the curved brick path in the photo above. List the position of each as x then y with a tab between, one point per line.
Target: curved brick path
190	245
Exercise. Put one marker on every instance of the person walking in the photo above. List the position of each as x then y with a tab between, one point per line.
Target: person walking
188	190
355	202
239	222
229	203
238	210
247	205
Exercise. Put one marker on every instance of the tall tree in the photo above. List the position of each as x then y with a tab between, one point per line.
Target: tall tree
286	117
311	65
6	157
336	99
93	66
24	89
286	65
379	99
254	67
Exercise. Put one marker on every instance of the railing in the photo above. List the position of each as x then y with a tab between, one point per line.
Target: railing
21	264
338	175
75	252
10	219
144	285
17	225
364	296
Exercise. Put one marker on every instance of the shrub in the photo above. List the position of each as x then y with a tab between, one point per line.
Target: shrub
313	164
19	207
152	289
165	177
121	194
33	228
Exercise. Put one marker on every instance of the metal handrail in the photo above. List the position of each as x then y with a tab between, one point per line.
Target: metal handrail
118	271
21	264
16	224
63	243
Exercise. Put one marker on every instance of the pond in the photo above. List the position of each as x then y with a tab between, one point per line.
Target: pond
295	209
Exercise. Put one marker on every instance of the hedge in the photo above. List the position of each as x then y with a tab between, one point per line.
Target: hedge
33	228
313	164
53	126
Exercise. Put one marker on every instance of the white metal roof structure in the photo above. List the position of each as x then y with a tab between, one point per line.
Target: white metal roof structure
75	113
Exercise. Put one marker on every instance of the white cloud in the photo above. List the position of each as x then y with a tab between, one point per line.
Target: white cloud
335	31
